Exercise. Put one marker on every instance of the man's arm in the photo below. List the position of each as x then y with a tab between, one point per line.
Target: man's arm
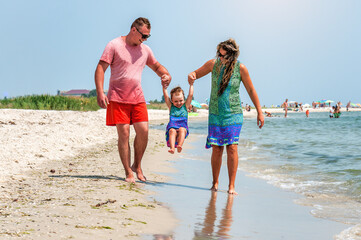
162	72
99	84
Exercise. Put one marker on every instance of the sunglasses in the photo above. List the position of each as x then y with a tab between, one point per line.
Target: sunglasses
144	36
221	55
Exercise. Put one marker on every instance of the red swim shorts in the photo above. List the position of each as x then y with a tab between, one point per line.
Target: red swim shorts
122	113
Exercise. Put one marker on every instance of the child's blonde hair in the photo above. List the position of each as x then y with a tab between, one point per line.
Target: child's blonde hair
176	90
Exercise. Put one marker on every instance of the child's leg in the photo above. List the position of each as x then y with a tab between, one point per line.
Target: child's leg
172	136
182	132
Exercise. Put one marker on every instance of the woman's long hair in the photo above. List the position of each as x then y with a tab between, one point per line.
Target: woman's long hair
232	53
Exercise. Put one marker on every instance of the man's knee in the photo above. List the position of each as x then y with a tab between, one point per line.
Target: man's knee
123	132
141	128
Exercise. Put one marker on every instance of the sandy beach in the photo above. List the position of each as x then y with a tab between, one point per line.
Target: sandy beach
61	178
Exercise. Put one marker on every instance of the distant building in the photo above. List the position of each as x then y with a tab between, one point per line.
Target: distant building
74	93
78	92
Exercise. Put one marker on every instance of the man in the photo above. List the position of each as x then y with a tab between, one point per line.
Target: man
285	107
125	103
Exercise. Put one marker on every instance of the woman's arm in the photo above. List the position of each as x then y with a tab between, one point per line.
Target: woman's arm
202	71
247	82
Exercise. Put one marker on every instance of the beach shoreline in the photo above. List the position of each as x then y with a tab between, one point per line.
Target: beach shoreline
61	177
260	211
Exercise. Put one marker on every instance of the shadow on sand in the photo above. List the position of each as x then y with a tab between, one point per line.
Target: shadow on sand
112	177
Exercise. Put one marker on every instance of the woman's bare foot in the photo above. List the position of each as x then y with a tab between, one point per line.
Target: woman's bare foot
179	148
214	187
171	151
232	191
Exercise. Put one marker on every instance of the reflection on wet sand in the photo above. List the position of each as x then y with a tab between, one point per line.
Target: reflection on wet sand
210	218
162	237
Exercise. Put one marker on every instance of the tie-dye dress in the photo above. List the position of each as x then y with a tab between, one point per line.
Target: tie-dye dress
225	112
178	117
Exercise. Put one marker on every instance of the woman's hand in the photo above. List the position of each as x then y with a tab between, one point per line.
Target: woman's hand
260	120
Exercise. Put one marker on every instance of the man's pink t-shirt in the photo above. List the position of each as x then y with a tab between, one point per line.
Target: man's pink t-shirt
126	63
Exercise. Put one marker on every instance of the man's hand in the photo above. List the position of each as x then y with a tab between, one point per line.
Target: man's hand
102	100
166	78
191	78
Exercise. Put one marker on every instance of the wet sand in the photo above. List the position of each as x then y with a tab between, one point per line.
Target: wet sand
260	211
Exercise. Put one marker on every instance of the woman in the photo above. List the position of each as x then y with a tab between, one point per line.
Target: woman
225	111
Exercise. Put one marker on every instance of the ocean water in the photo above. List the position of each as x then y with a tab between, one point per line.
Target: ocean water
317	157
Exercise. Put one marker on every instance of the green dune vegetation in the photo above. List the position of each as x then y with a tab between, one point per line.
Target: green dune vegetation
157	105
48	102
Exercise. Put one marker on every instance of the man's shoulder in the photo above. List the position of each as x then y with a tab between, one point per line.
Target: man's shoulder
117	41
146	47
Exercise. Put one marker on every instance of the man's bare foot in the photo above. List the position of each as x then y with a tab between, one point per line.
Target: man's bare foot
130	178
171	150
179	148
139	173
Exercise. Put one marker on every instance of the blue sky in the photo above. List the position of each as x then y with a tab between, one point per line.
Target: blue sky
303	50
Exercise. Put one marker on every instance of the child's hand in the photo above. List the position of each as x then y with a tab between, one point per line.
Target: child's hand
165	79
191	78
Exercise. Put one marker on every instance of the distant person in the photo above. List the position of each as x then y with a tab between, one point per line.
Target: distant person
332	109
307	113
339	104
177	128
268	114
337	112
348	105
125	103
285	106
225	113
301	108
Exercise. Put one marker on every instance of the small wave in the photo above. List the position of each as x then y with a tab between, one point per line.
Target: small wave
352	233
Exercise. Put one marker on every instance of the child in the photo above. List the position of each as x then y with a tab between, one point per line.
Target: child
177	128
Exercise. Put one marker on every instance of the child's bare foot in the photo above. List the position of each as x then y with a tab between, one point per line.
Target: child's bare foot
171	151
179	148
